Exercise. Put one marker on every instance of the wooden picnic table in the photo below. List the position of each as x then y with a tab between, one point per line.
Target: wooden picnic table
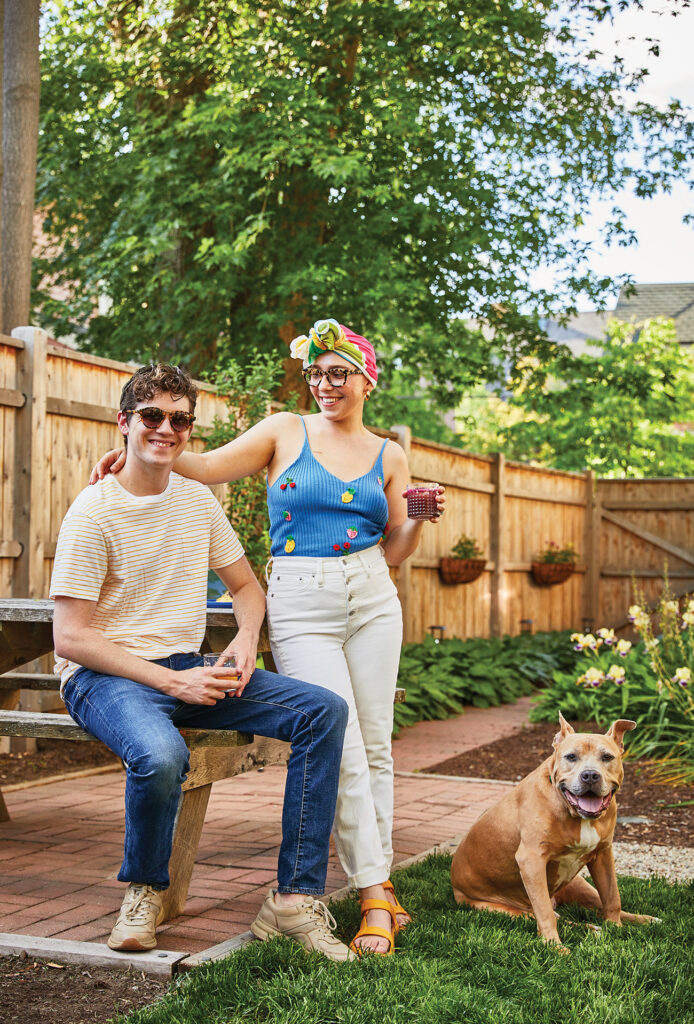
26	633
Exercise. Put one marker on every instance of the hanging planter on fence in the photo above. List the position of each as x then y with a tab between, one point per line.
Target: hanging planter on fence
461	570
547	574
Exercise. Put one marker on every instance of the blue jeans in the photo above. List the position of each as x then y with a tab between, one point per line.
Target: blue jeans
141	725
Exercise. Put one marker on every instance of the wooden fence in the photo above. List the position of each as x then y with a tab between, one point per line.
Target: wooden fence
57	415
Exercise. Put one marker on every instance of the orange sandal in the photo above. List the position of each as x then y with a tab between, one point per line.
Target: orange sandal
397	907
372	929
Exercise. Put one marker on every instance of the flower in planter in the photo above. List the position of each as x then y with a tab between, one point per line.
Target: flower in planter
553	554
466	547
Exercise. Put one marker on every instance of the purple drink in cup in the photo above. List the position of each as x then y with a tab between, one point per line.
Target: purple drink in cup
421	501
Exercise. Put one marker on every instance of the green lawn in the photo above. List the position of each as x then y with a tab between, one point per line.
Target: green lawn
456	964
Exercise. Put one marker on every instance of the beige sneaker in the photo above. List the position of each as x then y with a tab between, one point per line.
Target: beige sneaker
309	923
139	916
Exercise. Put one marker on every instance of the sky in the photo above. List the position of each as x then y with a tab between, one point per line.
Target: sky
665	249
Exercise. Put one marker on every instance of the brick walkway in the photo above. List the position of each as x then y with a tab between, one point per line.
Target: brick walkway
60	853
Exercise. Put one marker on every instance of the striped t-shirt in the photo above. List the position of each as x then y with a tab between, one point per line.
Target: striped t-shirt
144	560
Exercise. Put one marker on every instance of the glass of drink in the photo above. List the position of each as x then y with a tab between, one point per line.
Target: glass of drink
421	501
223	661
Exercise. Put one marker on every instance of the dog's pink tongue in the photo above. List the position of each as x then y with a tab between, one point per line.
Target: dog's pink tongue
590	804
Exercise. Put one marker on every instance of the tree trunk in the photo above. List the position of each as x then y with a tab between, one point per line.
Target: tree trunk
20	87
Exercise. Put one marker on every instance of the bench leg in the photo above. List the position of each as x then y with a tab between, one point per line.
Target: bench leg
4	813
191	816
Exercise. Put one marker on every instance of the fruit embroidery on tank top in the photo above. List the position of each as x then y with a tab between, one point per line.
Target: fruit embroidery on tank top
289	544
352	532
287	483
347	495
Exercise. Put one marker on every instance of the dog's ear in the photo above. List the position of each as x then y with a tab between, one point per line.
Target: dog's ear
617	730
564	730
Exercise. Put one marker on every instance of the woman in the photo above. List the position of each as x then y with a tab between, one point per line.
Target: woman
337	517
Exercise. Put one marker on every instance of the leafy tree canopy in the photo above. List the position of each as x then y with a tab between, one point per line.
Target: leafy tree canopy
225	173
624	409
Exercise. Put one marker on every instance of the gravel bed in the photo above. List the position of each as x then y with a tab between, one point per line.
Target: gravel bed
676	863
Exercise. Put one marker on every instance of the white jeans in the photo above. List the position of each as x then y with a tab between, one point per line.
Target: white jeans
337	622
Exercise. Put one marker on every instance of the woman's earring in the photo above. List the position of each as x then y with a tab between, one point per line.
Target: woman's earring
367	396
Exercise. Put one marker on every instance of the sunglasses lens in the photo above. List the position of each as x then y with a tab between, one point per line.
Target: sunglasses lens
152	418
181	420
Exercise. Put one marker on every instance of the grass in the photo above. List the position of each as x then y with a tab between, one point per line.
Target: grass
455	964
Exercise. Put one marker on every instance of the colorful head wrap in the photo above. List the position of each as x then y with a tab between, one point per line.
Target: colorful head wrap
330	336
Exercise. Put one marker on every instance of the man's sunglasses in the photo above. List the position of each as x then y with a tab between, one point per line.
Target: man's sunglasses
336	376
153	417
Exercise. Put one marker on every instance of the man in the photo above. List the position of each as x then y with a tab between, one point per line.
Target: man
130	586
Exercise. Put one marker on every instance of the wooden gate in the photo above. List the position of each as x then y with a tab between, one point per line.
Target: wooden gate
645	527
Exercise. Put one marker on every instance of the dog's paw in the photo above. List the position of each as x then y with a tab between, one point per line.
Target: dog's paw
557	946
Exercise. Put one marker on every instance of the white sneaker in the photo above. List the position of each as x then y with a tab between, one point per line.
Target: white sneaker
140	913
309	923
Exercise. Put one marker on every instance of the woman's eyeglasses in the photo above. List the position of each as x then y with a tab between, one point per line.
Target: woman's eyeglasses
336	375
153	417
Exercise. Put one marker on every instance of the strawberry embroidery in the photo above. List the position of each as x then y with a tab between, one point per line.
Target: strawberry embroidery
380	481
351	532
287	515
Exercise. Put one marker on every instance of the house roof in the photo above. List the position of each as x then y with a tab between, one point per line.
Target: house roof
672	300
581	328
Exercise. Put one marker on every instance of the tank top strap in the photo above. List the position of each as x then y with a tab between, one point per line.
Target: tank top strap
303	424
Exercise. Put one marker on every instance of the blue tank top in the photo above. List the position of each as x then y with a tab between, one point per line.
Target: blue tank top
315	514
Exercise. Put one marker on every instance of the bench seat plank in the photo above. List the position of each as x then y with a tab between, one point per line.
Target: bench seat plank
47	725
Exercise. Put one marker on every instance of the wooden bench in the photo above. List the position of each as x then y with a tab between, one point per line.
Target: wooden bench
215	754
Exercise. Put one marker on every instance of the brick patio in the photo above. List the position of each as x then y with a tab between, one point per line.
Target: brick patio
60	853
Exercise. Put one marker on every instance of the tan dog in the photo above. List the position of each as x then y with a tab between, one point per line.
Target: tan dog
524	854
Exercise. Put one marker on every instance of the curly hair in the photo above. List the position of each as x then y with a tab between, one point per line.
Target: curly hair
150	380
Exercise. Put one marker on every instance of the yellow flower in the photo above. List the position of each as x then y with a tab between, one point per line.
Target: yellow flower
593	677
670	607
683	676
607	635
623	647
617	674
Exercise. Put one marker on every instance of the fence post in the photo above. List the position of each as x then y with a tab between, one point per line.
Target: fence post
496	552
591	593
403	436
30	507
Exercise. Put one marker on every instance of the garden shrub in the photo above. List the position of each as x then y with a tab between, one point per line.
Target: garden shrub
440	678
